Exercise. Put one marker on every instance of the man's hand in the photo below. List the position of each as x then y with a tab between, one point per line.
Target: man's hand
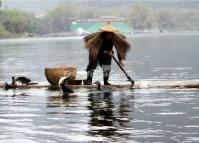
109	53
121	62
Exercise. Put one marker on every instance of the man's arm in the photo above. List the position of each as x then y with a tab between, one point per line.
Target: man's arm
121	61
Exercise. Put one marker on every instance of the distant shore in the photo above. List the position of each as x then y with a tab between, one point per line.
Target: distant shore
75	36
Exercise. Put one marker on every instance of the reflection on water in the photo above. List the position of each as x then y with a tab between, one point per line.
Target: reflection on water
151	115
106	119
59	101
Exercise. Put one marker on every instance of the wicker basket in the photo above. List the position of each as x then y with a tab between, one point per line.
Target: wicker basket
54	74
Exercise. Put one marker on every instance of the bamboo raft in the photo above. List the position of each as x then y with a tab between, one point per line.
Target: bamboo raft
137	85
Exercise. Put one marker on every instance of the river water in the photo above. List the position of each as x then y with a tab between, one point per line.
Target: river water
141	115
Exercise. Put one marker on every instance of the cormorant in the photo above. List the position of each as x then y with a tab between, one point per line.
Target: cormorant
23	80
7	86
98	85
63	84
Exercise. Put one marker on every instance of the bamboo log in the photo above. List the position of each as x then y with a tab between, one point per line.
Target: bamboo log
137	85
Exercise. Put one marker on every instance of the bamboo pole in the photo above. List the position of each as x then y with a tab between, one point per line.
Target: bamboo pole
137	85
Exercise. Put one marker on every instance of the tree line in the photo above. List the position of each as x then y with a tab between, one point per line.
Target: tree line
143	17
16	22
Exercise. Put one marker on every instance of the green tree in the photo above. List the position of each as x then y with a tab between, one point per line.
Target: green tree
3	32
16	21
59	19
188	19
141	17
166	19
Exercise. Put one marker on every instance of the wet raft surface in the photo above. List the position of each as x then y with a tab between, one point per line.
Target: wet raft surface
137	85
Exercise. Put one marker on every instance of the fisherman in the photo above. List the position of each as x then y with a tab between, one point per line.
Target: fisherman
100	46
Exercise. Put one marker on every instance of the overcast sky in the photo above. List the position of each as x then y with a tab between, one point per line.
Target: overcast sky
40	6
37	6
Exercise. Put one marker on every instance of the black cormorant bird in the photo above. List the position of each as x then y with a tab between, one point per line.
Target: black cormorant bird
98	85
23	80
63	84
7	86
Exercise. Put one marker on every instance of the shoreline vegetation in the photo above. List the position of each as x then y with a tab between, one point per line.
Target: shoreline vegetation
56	22
76	37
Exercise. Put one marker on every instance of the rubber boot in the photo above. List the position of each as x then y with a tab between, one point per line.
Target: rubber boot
89	78
106	77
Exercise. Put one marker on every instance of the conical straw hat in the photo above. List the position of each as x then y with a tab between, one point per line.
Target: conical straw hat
108	28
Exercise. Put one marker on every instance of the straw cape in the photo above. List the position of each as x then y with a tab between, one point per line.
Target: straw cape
94	41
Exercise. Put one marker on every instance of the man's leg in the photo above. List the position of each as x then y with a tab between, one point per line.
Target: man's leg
106	71
105	63
90	70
